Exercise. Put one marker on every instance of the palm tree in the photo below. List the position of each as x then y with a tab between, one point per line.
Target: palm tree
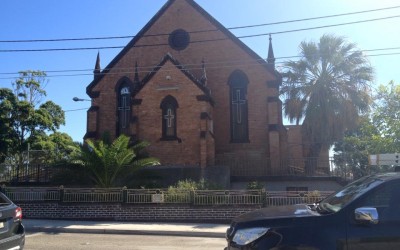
108	162
327	89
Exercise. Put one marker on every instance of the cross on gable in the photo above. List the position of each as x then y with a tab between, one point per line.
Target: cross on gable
238	103
169	117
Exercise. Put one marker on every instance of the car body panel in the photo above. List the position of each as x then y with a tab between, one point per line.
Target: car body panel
332	225
12	231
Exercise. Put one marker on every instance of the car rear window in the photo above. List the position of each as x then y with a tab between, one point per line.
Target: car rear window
4	201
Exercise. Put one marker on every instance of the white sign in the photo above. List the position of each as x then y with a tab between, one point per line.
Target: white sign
385	159
157	198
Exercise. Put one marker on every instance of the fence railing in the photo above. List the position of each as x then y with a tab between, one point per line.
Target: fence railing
161	196
241	165
258	164
290	198
34	173
32	194
229	197
91	195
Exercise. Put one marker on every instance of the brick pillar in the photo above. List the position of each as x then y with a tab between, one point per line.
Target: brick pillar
274	125
274	151
203	151
203	139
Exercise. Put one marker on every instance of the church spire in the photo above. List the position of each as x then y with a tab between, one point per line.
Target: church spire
97	68
271	57
203	78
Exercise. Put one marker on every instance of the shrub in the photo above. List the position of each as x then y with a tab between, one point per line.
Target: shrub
254	185
180	192
313	197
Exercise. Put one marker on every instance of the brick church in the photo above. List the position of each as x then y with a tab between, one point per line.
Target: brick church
198	95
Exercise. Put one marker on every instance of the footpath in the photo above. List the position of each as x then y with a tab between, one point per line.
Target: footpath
138	228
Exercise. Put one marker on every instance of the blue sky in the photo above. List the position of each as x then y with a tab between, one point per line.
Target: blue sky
49	19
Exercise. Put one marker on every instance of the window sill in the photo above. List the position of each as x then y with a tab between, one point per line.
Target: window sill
171	139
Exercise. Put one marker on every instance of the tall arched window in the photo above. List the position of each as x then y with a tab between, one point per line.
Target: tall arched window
124	108
238	82
169	105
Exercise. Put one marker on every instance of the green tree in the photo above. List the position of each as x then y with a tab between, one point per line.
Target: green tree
8	136
108	163
377	133
327	89
30	86
23	116
51	149
386	115
351	154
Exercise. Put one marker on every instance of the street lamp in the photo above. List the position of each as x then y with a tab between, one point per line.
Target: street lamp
76	99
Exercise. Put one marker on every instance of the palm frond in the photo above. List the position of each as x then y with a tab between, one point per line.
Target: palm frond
327	88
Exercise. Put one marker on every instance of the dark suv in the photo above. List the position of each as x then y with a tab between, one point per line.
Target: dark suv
12	233
363	215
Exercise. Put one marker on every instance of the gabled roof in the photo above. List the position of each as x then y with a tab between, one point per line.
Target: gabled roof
169	57
155	18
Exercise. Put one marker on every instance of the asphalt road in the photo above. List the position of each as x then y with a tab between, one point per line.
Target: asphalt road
67	241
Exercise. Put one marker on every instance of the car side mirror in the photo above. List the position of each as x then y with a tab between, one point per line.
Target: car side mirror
367	215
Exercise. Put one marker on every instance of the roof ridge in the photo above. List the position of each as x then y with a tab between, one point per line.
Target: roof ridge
181	67
206	15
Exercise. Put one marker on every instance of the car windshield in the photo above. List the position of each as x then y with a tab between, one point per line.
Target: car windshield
337	201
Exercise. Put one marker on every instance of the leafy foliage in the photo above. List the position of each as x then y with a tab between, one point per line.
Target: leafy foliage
109	162
327	89
378	133
313	197
190	185
351	154
386	115
54	148
255	185
8	137
30	86
23	117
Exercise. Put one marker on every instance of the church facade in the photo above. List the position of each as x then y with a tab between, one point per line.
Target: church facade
197	94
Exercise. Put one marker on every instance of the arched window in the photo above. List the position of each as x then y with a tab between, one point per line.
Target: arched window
124	107
169	106
238	82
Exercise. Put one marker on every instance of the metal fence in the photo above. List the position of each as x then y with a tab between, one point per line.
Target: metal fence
241	165
228	197
161	196
142	196
32	194
91	195
34	173
258	164
290	198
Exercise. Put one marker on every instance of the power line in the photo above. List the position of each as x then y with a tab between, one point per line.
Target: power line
198	66
201	41
131	71
199	31
315	18
72	110
386	54
321	27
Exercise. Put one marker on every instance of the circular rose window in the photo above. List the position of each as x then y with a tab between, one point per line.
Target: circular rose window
179	39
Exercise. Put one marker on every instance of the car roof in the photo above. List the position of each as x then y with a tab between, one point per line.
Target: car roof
387	176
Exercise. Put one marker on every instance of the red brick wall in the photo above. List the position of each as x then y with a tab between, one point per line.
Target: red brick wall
127	212
187	150
222	58
295	147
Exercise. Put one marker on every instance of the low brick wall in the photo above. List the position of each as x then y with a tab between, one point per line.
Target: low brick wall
133	212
